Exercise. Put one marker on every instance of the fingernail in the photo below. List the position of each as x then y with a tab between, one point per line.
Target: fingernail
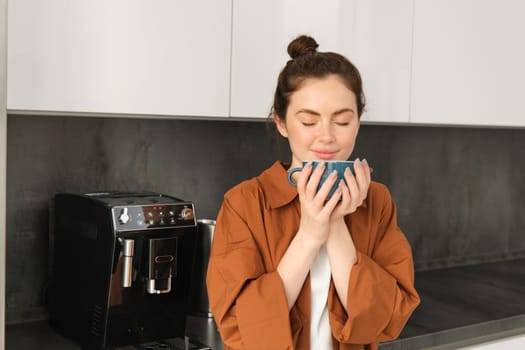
308	163
365	161
333	173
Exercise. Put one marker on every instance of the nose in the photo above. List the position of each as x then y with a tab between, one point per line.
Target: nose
326	132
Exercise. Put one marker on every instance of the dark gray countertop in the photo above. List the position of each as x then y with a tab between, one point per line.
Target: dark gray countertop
459	306
466	305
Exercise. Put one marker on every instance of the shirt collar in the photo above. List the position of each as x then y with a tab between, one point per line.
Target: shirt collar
274	182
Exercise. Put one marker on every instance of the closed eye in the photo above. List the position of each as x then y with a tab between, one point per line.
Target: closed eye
308	117
343	117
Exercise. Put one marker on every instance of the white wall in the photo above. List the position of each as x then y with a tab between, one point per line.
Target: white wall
3	137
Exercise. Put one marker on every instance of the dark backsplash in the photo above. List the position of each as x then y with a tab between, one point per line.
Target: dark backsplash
459	191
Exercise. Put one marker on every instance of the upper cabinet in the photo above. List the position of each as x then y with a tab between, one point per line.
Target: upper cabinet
375	35
452	62
383	55
162	57
468	62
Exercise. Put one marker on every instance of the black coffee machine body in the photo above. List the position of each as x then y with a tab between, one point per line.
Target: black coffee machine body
121	266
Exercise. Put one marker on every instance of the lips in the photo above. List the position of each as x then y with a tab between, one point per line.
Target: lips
325	155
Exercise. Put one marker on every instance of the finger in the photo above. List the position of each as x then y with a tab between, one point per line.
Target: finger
368	170
363	179
361	174
352	186
334	200
302	179
313	181
345	198
329	182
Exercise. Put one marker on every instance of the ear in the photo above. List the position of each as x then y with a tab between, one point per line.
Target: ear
281	125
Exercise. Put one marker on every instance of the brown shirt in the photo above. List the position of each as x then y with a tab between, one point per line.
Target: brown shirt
256	223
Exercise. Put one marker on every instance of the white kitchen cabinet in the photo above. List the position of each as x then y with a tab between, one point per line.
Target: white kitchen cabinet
375	35
162	57
468	62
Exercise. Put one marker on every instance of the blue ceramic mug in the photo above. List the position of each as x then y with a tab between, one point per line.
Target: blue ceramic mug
331	165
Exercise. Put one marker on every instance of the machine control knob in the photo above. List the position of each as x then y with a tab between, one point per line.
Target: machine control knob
186	214
123	217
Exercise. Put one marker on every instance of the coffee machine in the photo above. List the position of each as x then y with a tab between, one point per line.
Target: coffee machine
120	268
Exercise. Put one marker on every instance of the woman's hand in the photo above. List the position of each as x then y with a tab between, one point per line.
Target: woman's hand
355	191
313	230
316	211
340	246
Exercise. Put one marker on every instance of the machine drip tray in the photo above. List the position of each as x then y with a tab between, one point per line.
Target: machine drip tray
170	344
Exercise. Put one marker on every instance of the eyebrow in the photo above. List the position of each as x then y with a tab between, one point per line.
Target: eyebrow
310	111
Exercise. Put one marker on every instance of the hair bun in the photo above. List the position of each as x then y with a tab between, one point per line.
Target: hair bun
302	45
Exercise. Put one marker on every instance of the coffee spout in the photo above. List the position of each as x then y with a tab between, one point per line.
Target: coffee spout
128	246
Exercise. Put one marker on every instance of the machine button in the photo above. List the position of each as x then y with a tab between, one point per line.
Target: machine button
186	214
123	217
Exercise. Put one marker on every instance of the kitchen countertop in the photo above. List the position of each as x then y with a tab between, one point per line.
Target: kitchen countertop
459	306
466	305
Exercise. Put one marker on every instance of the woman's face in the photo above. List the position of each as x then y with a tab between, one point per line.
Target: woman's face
321	121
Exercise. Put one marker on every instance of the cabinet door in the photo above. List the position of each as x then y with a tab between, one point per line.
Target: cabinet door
383	55
375	35
468	62
161	57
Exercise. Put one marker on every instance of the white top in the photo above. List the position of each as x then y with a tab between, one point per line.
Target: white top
320	274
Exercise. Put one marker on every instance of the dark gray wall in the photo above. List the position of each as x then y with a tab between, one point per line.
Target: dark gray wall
459	191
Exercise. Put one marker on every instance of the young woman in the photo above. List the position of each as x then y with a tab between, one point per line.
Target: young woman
290	269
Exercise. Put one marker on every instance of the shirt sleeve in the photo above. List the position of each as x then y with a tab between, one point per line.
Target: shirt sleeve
381	294
248	304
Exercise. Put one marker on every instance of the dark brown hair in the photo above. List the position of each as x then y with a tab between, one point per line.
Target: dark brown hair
306	62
